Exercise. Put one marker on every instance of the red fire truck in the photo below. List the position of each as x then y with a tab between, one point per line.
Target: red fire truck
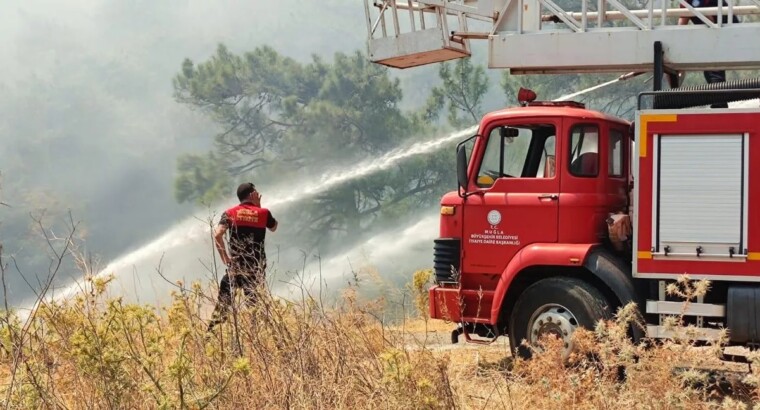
565	214
526	248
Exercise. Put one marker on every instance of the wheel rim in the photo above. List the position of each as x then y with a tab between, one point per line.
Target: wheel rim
553	319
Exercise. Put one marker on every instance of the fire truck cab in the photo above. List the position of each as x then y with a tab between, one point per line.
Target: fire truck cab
527	247
540	182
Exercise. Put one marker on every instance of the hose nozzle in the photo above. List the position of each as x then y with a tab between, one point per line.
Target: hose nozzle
630	75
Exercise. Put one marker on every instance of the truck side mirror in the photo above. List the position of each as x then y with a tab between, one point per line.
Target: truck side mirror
462	167
509	132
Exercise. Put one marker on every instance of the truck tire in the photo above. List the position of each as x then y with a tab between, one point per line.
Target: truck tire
556	306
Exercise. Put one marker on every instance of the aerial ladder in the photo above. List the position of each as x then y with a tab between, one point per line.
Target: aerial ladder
554	36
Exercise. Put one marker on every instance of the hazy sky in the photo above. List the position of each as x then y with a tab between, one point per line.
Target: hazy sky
88	124
87	118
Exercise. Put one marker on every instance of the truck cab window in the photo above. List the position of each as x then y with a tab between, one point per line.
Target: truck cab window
584	151
616	154
547	167
521	151
468	147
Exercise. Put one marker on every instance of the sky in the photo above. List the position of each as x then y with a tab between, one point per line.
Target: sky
88	124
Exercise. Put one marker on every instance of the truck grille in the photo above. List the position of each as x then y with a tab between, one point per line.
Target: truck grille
446	260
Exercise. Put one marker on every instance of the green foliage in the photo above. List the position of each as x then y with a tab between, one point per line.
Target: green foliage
273	109
617	99
251	97
419	288
461	94
281	120
201	178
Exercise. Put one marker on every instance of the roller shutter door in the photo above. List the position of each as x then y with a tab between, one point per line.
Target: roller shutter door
700	193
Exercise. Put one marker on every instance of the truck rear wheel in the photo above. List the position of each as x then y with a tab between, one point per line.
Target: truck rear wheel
555	306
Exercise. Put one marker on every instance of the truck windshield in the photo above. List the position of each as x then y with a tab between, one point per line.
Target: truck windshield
520	151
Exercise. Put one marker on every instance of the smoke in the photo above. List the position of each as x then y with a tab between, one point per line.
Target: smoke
88	123
185	252
400	250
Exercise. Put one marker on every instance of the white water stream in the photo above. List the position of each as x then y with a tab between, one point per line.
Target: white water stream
568	97
185	251
180	250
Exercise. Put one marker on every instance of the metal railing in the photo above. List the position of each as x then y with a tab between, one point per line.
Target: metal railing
395	17
400	29
648	14
408	33
649	18
386	15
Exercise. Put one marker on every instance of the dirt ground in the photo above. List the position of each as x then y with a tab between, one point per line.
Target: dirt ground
435	335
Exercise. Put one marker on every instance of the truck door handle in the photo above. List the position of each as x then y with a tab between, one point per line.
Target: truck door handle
551	197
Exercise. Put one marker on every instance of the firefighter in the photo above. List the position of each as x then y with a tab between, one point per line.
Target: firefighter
246	224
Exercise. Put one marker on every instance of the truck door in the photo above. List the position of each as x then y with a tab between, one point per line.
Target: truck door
516	195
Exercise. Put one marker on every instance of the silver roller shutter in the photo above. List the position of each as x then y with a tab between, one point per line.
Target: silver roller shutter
700	193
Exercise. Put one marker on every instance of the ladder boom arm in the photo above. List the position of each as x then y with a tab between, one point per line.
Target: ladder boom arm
539	36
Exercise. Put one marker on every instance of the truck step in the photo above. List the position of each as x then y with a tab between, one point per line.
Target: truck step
687	309
700	333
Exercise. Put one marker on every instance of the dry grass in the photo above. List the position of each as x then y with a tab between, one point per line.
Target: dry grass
92	353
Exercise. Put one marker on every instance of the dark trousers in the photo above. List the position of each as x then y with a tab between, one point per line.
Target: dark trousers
250	281
716	77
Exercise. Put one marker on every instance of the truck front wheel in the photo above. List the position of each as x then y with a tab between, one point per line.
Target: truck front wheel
555	306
